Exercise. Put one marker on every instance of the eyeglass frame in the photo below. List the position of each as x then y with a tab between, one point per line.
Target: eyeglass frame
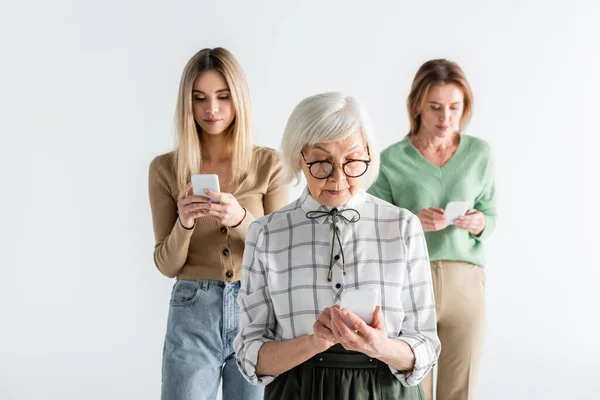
334	165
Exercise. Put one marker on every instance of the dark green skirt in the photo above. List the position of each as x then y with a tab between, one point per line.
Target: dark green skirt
339	374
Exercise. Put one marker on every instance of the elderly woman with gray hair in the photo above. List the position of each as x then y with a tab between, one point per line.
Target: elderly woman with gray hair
300	261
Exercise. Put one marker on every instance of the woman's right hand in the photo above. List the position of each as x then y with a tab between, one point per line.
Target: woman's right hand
322	337
432	219
190	207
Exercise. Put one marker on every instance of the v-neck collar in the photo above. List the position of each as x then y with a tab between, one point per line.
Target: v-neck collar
455	158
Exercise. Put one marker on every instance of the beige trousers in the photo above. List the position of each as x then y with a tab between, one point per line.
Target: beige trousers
459	289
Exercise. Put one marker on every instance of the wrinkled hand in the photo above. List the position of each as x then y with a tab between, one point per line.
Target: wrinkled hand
433	219
473	221
370	340
322	336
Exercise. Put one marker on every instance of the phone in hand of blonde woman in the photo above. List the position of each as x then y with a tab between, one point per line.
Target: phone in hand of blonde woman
201	182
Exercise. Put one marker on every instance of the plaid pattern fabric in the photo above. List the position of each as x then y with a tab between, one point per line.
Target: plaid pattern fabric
284	277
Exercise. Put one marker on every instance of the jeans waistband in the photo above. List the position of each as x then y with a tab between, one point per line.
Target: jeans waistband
206	283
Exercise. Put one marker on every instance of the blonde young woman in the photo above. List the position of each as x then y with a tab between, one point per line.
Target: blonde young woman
433	165
201	243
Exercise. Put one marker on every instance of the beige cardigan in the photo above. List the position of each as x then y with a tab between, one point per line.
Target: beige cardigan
210	250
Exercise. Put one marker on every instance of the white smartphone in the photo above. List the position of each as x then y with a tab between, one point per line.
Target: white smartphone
361	302
455	209
205	181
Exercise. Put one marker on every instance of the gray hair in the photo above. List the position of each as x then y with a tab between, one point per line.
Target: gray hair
325	118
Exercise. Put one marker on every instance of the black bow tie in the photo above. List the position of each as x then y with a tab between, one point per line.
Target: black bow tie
335	214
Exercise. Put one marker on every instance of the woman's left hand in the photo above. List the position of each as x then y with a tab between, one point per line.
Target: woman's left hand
473	221
370	340
228	211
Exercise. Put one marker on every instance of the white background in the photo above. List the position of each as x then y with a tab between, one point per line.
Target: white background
87	97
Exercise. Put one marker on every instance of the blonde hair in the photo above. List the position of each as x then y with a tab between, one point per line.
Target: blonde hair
435	72
188	158
325	118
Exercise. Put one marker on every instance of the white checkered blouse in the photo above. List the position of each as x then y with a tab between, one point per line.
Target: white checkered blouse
284	277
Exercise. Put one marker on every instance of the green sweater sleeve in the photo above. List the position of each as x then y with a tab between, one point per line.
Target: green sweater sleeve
486	201
381	188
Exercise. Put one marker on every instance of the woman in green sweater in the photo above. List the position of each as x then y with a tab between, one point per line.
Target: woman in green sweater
434	165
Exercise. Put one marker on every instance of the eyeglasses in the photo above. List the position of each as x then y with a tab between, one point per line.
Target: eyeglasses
323	169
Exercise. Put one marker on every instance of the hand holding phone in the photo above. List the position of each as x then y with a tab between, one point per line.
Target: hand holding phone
361	302
224	207
200	182
455	209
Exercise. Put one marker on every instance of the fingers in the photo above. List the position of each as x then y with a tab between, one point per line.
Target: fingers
193	211
464	218
463	222
228	211
378	322
214	213
440	223
191	199
196	206
433	214
184	193
359	326
221	197
437	217
229	208
434	227
470	214
189	218
325	318
333	325
336	322
473	222
468	218
353	338
432	219
323	332
191	207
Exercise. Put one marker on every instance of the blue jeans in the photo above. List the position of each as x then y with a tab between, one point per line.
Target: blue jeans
203	322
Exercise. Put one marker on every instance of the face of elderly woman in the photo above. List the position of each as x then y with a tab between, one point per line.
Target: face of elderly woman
337	189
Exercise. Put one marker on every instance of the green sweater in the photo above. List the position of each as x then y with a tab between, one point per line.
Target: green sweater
407	180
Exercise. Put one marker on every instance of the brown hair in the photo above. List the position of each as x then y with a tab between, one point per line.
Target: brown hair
435	72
